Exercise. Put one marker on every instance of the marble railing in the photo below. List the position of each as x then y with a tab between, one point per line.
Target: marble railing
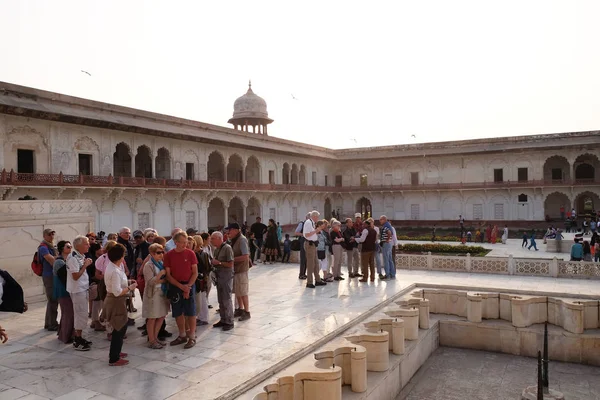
500	265
573	315
12	178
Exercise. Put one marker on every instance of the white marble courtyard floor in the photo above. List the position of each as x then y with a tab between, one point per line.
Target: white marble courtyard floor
286	318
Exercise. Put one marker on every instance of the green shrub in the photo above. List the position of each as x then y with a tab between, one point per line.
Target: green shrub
440	248
439	238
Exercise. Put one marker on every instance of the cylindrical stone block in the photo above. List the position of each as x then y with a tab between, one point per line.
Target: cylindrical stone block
386	326
319	385
286	388
411	322
474	307
398	336
376	344
424	314
358	365
272	391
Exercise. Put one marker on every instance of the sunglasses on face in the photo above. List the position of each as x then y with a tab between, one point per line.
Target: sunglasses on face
69	246
160	252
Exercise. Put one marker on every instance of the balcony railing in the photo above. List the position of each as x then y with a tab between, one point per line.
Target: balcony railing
21	179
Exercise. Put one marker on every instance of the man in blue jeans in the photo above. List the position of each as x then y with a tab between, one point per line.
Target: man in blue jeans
386	248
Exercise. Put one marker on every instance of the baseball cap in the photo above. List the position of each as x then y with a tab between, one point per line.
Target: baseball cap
357	215
233	225
137	233
191	231
49	231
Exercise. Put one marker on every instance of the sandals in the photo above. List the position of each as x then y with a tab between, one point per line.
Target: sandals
190	343
155	345
178	341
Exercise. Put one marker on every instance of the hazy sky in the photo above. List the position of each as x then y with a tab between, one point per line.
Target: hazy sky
364	73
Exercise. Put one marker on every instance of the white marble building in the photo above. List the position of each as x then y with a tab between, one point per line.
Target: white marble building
144	169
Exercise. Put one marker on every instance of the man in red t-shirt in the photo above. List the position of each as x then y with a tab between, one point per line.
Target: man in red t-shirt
181	266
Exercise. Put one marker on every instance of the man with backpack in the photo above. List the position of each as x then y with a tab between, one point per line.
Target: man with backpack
46	254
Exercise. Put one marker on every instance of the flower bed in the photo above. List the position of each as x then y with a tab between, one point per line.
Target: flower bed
442	249
439	238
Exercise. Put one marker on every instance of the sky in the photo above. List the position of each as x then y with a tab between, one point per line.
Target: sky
334	73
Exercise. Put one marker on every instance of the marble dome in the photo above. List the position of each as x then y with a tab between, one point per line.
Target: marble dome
250	106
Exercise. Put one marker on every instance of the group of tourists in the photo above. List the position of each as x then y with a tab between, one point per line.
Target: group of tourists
322	244
94	282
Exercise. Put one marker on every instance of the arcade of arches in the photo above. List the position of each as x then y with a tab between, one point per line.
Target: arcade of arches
585	203
219	216
558	168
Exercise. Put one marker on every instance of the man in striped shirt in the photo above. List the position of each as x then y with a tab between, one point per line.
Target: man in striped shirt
386	235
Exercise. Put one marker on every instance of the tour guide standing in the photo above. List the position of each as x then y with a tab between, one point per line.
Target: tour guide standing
310	232
299	233
223	261
47	254
78	283
239	244
182	270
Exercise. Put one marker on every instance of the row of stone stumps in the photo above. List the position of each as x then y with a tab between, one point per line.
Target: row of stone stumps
348	365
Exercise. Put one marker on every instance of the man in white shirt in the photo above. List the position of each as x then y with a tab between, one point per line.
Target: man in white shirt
170	245
78	284
310	232
299	233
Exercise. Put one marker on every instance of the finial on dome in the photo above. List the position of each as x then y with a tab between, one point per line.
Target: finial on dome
249	84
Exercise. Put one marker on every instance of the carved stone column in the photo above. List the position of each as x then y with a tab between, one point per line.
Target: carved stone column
398	336
474	307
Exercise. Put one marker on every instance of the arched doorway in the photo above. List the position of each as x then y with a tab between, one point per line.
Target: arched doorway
253	170
235	211
122	160
235	169
294	177
302	176
253	210
585	167
216	214
554	202
587	203
163	164
216	167
143	162
327	209
363	206
285	174
557	168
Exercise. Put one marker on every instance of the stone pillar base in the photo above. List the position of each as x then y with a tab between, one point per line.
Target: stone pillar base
531	394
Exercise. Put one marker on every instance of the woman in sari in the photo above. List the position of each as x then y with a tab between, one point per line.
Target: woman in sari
67	318
494	234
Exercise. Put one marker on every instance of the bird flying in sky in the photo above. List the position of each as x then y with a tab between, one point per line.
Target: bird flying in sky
85	72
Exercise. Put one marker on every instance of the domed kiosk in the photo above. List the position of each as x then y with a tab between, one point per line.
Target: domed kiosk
250	110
